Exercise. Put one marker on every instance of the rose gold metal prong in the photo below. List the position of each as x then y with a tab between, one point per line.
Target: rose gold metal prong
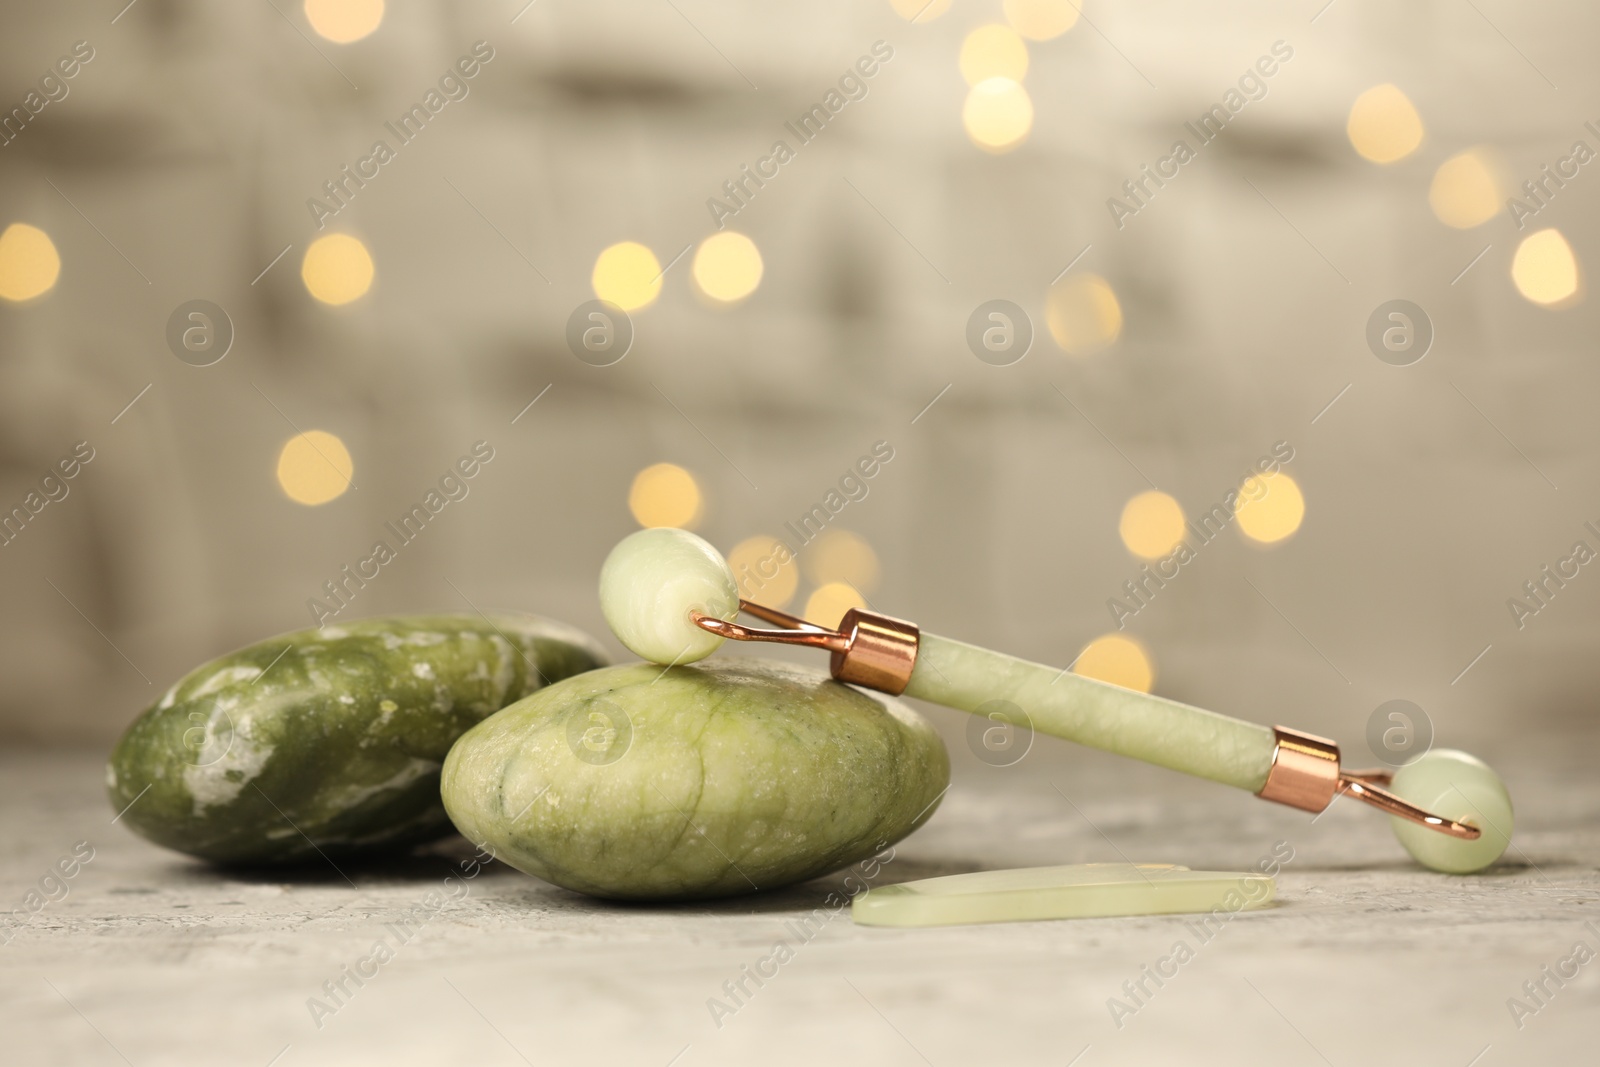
802	634
1305	774
868	649
1368	786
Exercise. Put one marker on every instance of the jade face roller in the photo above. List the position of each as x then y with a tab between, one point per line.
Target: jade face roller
671	598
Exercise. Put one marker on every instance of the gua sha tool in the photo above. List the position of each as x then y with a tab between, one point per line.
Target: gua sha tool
1080	891
671	598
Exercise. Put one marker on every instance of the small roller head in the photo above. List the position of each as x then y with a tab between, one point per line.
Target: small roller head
1456	786
649	584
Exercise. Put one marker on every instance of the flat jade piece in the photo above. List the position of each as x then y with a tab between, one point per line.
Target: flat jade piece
1109	717
650	783
1455	786
652	580
1075	891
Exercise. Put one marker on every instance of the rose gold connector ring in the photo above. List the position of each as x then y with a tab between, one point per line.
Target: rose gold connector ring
1305	774
870	650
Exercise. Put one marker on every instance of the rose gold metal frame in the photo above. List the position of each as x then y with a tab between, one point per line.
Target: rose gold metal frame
879	652
868	649
1305	774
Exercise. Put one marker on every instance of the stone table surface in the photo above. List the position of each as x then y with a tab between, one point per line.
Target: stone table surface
150	958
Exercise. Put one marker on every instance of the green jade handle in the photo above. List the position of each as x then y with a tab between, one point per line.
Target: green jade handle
1094	713
881	652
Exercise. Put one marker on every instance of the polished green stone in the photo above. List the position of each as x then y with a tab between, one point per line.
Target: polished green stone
649	783
327	739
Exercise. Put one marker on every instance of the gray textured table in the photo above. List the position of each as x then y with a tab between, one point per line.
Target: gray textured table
152	959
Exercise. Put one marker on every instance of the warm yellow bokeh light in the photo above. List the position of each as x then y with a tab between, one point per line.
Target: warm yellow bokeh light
1384	125
314	468
337	269
1466	189
827	605
1545	269
841	556
1040	20
727	266
1118	659
343	21
997	115
1277	514
1083	314
664	494
919	10
993	51
1152	525
29	263
628	275
764	571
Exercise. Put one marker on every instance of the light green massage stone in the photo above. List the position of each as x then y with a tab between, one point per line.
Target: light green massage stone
1075	891
644	783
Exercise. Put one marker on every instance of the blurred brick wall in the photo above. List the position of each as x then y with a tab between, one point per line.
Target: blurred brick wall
195	136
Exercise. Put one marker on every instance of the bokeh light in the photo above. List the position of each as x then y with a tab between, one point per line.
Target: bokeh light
1384	125
993	51
1083	314
343	21
628	275
1545	269
1040	20
314	467
1152	525
1466	189
29	263
841	556
1277	514
997	114
664	494
727	266
1118	659
919	10
337	269
764	571
827	605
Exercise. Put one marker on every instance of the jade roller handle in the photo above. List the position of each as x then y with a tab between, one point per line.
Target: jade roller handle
1062	704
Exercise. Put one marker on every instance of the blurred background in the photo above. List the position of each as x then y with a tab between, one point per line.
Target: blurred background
1173	323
